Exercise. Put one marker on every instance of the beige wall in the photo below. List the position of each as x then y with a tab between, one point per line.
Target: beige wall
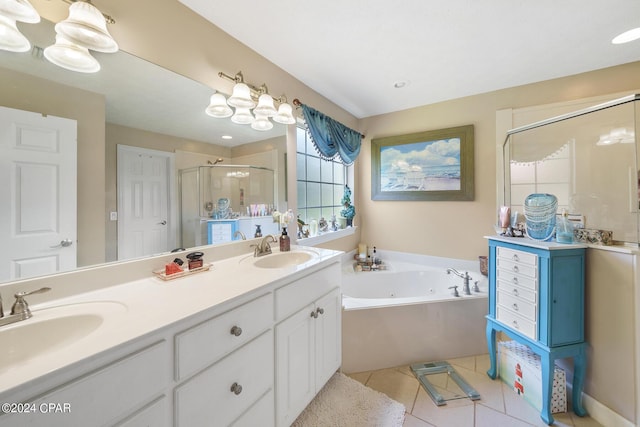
28	93
456	229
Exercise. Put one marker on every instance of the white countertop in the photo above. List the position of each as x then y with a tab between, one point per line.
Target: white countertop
150	304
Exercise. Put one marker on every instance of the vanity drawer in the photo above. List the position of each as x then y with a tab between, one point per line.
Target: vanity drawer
292	297
223	392
527	270
528	293
521	306
516	322
508	276
520	257
203	344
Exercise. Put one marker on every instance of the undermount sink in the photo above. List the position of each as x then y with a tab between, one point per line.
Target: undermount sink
282	259
52	328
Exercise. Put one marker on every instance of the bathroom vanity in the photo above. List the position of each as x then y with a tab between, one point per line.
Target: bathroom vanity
243	344
536	297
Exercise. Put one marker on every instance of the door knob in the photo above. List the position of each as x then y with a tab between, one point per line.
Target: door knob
63	244
164	222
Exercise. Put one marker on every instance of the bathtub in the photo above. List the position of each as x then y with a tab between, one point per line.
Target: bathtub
407	313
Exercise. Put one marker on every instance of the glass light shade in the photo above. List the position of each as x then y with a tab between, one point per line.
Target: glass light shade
218	107
241	97
87	27
265	106
627	36
19	10
261	123
69	55
242	116
285	115
11	39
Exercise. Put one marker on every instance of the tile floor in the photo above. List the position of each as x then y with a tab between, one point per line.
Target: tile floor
499	406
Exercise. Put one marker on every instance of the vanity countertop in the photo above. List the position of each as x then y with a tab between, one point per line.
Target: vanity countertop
150	304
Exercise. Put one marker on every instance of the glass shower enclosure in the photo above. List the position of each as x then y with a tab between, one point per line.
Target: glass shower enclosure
588	159
222	203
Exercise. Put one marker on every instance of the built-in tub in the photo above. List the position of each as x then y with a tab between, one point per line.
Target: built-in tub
408	314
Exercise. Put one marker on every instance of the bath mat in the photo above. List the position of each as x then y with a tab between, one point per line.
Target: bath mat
344	402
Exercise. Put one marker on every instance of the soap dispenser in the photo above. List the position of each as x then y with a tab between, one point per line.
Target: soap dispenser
285	242
258	231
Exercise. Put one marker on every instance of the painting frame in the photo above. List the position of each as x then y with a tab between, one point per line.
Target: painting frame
442	188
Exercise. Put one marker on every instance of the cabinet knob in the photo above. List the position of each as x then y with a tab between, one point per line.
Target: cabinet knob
515	268
236	330
515	280
314	314
515	292
515	324
515	306
236	388
515	257
320	310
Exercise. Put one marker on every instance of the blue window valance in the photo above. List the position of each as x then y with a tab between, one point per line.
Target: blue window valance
330	137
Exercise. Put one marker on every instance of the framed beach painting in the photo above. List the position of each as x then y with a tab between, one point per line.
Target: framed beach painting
433	165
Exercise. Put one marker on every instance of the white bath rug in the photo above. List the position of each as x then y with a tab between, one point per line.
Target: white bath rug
344	402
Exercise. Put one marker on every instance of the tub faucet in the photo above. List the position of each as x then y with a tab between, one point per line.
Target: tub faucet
465	277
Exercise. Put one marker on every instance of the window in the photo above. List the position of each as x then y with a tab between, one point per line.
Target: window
320	182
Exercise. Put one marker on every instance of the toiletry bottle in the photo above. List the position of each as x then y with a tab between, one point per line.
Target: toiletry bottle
258	231
376	260
285	242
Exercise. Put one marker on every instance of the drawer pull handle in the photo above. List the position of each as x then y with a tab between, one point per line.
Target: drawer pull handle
236	388
236	331
515	324
515	268
515	292
515	306
320	310
314	314
516	258
515	280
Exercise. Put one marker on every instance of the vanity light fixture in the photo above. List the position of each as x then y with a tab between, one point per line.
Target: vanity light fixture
248	100
11	39
84	29
627	36
617	135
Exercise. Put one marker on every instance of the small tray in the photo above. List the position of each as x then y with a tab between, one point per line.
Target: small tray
162	275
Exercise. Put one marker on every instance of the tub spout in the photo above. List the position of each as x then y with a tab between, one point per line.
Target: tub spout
465	277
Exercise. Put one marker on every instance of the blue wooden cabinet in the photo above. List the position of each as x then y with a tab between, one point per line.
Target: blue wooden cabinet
536	296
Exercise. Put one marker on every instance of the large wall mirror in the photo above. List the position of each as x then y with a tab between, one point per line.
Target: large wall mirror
129	104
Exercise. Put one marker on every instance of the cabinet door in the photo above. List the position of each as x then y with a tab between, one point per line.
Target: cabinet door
295	361
328	331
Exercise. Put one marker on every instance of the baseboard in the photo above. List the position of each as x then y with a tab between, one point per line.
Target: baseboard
603	414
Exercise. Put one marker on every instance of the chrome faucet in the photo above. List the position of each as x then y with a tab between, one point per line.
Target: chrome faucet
20	309
465	277
263	247
242	236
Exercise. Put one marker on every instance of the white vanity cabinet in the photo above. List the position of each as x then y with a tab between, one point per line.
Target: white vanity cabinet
232	358
127	392
308	342
255	356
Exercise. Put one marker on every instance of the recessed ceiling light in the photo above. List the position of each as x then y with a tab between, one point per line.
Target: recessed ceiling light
627	36
400	84
227	137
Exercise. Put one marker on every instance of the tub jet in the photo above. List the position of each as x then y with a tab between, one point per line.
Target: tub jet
444	383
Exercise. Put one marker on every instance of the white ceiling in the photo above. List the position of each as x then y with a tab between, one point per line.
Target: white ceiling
353	51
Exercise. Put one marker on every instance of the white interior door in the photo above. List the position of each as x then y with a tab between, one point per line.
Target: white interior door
144	215
38	212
